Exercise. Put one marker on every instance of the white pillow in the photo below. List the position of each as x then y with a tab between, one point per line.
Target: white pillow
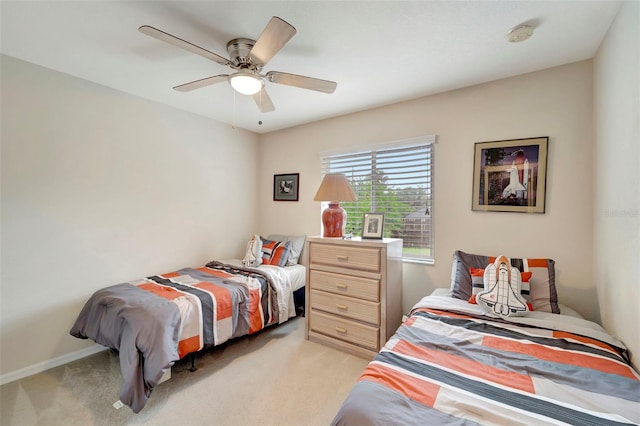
253	254
297	244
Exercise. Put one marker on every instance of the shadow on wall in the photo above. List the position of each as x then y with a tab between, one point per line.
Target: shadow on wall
582	300
417	282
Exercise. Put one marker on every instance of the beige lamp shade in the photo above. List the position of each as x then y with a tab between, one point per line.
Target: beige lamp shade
335	187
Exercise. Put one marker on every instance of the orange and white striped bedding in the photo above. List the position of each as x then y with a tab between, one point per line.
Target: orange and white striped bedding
157	320
216	302
449	364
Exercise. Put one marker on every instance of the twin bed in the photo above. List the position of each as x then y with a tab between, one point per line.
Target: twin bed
155	321
451	363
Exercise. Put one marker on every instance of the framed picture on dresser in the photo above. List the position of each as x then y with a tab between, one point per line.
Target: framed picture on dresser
372	225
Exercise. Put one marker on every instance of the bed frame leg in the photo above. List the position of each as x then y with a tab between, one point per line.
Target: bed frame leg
192	357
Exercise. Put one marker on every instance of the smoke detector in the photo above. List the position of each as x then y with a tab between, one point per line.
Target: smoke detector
520	33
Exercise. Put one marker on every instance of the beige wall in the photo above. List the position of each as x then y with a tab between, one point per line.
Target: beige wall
100	187
555	103
616	165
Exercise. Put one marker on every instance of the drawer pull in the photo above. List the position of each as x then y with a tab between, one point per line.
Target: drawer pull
343	258
341	286
341	330
343	307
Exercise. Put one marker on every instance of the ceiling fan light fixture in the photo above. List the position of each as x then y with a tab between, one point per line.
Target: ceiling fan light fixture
246	82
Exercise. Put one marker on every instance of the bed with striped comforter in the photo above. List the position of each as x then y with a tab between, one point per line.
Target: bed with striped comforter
449	364
155	321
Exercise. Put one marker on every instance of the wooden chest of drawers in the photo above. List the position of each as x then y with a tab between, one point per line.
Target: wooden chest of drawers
354	292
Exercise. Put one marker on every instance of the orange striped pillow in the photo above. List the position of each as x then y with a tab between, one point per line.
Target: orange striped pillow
477	282
275	252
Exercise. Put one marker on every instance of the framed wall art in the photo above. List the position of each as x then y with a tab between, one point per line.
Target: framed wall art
372	225
510	175
286	187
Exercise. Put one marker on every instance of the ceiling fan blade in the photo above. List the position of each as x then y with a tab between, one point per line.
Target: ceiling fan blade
168	38
263	101
301	81
275	35
187	87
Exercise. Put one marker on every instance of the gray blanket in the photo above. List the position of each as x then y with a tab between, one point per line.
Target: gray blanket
143	327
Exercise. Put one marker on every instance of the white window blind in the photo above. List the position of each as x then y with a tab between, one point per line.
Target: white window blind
393	179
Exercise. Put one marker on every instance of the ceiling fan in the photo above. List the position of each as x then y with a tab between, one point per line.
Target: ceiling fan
247	57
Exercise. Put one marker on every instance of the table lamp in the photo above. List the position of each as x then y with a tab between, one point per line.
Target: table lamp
334	188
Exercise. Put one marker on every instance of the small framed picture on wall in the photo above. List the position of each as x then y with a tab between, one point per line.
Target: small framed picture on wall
286	186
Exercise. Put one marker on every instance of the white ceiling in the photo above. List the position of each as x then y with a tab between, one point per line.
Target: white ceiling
379	52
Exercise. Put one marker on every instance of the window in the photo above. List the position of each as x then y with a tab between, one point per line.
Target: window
394	179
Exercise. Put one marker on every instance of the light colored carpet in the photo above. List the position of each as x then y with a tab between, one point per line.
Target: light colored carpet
273	378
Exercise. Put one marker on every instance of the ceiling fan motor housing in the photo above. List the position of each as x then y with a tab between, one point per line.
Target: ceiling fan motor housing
239	49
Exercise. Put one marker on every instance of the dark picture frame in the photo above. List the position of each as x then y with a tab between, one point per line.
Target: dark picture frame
372	226
286	187
510	175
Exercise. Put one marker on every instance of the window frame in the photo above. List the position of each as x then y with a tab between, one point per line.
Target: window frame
406	144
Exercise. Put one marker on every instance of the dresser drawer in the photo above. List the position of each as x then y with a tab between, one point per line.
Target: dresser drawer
362	258
346	285
346	330
361	310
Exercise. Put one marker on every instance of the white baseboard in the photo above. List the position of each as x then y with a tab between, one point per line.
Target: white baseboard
51	363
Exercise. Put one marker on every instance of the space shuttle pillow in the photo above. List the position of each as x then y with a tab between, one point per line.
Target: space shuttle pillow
501	295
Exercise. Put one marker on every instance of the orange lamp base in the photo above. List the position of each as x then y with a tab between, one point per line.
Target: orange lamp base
334	220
